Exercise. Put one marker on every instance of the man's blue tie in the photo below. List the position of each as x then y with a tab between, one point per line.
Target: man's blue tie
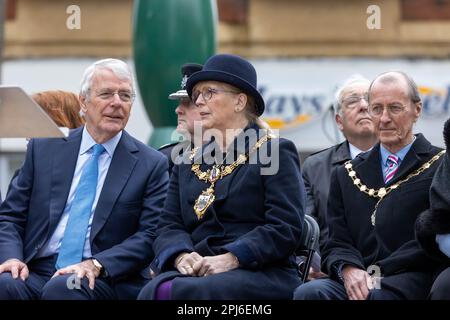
71	250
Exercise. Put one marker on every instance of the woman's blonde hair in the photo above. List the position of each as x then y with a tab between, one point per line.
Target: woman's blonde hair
250	109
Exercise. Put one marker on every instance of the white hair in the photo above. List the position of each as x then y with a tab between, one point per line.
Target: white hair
118	67
355	79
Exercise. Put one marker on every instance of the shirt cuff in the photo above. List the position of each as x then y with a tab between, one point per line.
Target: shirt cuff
443	241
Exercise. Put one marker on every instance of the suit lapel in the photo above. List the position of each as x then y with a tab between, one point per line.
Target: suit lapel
413	159
369	170
341	154
63	168
120	169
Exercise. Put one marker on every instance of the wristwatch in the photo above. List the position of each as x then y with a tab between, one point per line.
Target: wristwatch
98	266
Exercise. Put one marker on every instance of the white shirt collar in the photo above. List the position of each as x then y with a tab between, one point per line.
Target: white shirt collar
354	151
87	142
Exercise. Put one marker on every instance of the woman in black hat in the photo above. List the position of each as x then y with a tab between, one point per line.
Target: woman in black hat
234	210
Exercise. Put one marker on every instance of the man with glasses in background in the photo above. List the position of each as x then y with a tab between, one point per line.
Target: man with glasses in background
353	120
374	201
80	218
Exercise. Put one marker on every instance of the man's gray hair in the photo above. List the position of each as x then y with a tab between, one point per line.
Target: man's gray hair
355	79
118	67
389	77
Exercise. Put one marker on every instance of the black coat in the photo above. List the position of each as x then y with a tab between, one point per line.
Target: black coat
174	151
436	220
316	173
391	243
257	217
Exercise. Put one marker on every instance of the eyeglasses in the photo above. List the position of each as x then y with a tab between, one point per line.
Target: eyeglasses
125	96
352	101
208	92
393	110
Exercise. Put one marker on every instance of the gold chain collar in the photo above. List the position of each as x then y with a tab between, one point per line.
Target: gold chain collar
217	172
383	192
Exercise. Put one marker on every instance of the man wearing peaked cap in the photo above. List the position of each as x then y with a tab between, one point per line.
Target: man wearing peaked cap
186	112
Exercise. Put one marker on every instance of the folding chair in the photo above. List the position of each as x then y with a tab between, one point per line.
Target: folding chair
309	244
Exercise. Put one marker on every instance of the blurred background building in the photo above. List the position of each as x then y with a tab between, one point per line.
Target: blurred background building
302	50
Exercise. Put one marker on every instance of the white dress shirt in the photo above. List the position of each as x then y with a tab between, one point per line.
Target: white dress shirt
354	151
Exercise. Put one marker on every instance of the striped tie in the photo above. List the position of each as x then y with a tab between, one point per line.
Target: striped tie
392	162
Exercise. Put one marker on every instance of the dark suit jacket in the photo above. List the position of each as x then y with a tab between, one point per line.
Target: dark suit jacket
174	150
316	172
257	217
391	243
127	211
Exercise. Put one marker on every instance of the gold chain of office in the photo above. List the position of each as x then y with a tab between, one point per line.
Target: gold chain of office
383	192
207	197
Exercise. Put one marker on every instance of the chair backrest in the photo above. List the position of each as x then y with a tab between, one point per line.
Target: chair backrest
308	245
310	234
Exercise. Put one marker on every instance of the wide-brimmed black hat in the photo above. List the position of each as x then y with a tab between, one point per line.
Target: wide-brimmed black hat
186	71
233	70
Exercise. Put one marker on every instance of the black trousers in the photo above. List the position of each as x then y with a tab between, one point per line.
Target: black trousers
41	285
41	270
327	289
441	286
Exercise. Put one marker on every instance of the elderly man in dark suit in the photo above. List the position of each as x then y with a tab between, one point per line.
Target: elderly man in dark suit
373	205
79	219
353	119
